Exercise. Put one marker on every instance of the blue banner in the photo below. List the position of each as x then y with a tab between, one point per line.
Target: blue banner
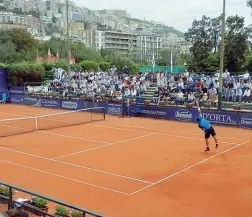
181	114
140	101
114	109
238	119
17	90
17	98
51	103
149	111
219	117
245	120
31	100
3	80
70	104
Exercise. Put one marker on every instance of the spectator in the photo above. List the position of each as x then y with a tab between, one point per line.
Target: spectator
247	95
180	95
239	94
191	97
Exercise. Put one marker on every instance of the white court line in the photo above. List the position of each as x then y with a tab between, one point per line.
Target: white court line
144	128
73	137
161	134
110	144
171	131
99	147
64	177
188	168
79	166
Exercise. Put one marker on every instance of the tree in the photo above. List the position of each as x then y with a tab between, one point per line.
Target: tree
236	38
201	34
205	36
23	40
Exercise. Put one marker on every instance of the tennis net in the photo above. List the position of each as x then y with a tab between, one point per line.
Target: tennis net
15	126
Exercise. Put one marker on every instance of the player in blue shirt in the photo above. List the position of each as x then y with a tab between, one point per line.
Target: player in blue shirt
208	129
4	97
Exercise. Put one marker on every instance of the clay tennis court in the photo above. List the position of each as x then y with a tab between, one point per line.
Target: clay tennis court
130	167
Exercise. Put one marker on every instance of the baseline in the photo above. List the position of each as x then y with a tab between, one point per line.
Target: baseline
132	126
189	167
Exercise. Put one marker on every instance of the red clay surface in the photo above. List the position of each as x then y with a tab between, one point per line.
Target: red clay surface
130	167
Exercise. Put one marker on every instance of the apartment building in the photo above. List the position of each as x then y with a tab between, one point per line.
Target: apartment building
120	41
178	46
111	40
76	31
147	45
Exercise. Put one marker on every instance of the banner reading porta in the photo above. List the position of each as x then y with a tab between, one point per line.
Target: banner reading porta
238	119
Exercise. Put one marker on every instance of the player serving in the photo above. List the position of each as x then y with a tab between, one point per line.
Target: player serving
208	129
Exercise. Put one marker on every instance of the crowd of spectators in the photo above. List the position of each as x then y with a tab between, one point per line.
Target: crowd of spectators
186	87
182	88
98	84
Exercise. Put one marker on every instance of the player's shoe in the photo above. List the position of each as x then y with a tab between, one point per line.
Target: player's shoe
207	149
216	146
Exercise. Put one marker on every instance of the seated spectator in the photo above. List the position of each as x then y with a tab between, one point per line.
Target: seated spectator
180	95
205	97
191	97
247	95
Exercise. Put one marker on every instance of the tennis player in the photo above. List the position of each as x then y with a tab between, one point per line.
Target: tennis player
206	126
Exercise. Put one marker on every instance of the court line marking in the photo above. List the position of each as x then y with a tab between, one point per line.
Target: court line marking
196	134
99	147
110	144
55	134
161	134
188	168
125	125
64	177
83	167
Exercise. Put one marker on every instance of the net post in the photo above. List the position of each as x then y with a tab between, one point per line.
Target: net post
104	116
36	123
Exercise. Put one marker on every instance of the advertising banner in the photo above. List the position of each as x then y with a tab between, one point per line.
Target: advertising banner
3	80
51	103
114	109
149	111
31	100
70	104
17	90
238	119
140	101
220	117
245	120
181	114
17	98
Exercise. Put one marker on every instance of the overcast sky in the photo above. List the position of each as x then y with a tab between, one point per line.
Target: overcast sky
176	13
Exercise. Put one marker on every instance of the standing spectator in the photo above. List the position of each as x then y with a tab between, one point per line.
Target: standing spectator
158	79
4	97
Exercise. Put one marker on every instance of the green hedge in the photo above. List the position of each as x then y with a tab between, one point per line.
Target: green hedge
20	73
